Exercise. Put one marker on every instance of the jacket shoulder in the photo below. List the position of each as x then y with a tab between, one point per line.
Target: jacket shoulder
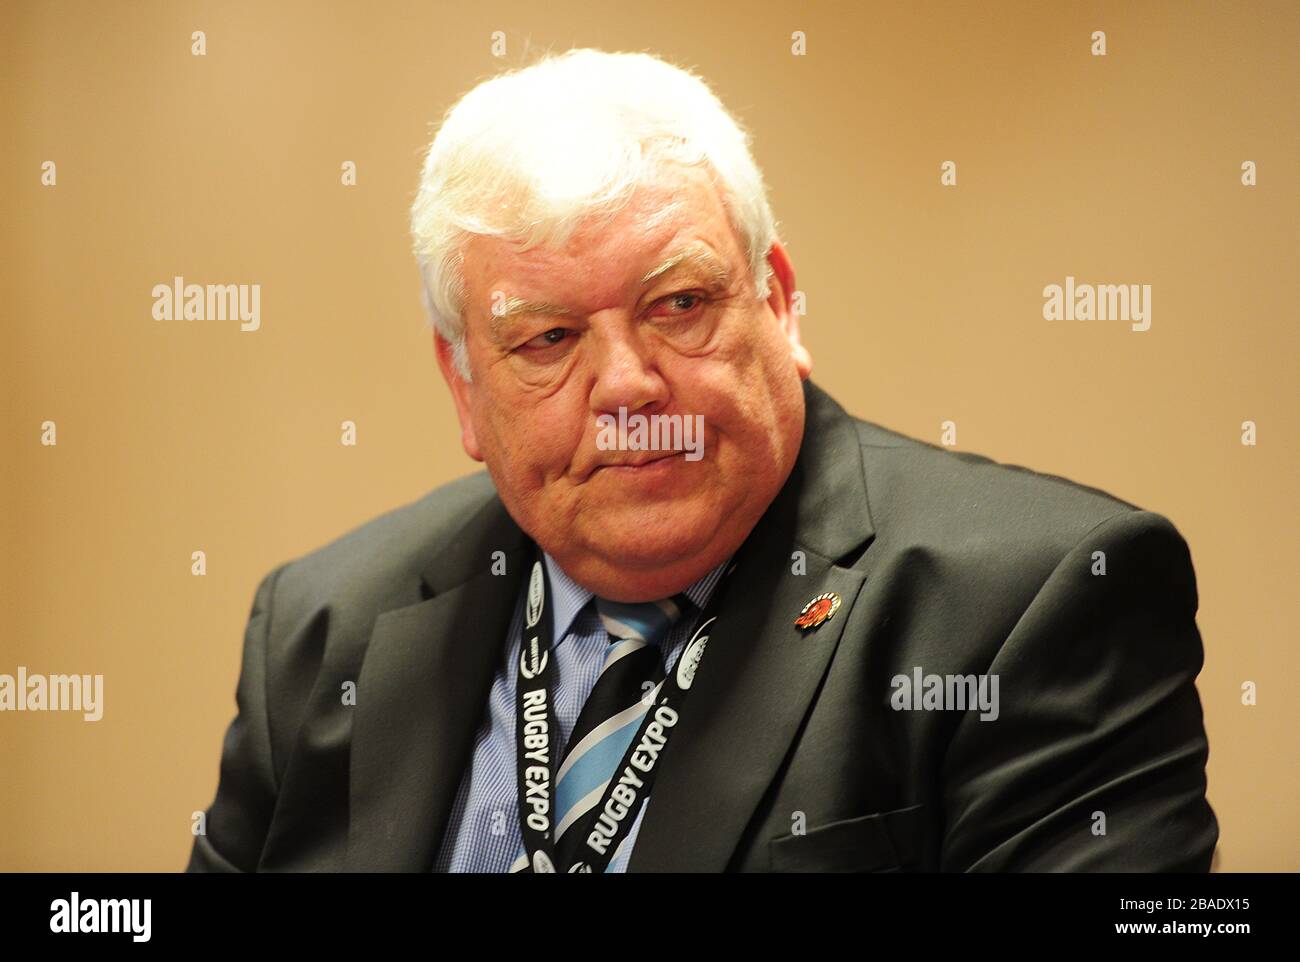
971	508
975	543
376	565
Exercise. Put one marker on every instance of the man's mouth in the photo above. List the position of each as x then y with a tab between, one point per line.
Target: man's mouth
640	464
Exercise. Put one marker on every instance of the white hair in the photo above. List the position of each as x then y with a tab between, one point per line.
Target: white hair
530	153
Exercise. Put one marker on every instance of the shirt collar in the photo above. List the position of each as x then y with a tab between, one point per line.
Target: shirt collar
569	598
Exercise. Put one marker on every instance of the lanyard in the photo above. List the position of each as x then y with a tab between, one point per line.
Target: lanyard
606	825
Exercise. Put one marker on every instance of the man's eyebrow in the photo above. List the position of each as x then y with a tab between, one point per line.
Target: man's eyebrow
698	256
517	307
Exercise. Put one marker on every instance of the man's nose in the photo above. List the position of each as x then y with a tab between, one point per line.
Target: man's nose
625	372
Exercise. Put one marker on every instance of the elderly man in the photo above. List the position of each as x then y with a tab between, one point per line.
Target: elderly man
744	632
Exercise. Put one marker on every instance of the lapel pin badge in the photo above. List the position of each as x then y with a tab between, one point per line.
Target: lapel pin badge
818	611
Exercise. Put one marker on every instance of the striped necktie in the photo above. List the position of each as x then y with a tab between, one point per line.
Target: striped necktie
628	685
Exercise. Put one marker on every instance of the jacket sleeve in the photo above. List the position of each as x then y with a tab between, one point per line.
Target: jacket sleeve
238	820
1096	760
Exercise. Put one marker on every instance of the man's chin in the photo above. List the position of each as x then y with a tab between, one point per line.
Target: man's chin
645	579
638	549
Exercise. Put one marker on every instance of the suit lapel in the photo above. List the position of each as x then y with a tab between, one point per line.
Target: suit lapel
760	673
423	686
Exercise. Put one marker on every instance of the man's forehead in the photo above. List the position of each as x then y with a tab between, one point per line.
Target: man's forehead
676	219
636	270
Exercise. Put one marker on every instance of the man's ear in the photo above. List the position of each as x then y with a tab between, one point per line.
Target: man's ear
460	389
781	301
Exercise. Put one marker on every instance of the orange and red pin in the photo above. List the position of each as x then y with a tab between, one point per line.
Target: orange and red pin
818	611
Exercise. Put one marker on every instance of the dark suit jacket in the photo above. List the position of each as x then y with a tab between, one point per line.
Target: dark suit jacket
789	755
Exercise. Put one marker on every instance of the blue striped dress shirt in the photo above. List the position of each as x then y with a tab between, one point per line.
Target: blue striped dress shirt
483	828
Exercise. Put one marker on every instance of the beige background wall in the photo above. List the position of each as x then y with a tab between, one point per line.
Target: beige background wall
924	305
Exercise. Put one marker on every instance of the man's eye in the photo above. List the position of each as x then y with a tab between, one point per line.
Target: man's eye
554	336
682	303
